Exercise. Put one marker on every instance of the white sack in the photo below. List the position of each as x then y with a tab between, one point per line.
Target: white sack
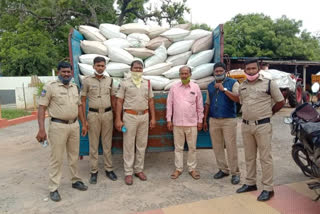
156	30
115	83
120	55
202	71
93	47
282	78
160	55
88	70
157	82
204	82
157	42
197	34
200	58
140	52
134	28
88	58
179	59
117	69
111	31
202	44
91	33
138	40
157	69
186	26
180	47
117	43
175	34
173	72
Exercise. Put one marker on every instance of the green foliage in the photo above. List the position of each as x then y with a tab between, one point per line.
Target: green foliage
202	26
27	51
257	35
13	113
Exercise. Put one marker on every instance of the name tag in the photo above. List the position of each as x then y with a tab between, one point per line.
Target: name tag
63	93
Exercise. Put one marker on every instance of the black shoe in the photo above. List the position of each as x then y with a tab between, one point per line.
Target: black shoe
79	185
235	179
220	175
93	178
111	175
55	196
247	188
265	195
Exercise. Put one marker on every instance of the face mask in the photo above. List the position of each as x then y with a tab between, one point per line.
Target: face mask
220	77
252	77
186	81
96	73
64	81
136	78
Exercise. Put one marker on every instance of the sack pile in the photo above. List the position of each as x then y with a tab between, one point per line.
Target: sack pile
164	51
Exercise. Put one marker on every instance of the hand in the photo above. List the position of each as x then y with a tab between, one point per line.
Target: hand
219	86
87	125
205	126
118	125
152	124
41	136
199	126
169	125
84	130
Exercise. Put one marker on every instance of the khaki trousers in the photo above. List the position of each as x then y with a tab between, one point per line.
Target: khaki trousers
224	132
136	137
180	135
100	124
258	137
61	137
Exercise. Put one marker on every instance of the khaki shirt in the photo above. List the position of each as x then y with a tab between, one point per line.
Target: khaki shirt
98	91
256	102
62	101
235	89
135	98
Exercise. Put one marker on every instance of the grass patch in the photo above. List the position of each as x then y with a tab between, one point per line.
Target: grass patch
14	113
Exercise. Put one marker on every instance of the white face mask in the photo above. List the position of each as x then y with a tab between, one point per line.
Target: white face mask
98	73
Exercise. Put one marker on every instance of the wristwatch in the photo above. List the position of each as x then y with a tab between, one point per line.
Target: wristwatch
225	89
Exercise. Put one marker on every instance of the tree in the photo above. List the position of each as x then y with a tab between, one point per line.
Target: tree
202	26
257	35
27	51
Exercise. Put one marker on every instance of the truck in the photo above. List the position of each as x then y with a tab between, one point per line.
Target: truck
160	139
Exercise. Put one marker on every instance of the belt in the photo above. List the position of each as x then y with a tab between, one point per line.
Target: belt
130	111
63	121
97	110
257	122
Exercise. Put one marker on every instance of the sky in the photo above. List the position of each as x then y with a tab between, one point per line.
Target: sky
213	12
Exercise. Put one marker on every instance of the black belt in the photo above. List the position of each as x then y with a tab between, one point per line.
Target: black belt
97	110
63	121
257	122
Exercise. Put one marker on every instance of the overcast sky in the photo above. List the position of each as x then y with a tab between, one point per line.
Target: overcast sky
213	12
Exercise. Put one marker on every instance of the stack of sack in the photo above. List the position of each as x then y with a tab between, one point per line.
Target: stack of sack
162	50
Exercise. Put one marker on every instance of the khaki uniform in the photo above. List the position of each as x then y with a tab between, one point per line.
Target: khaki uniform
223	132
99	92
137	125
62	103
257	105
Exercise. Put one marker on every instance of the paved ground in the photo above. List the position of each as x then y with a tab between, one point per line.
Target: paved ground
24	177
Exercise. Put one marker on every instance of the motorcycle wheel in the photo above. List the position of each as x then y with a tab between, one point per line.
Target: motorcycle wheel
300	157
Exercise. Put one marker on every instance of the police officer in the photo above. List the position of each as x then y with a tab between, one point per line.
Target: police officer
61	98
135	96
101	101
222	96
256	96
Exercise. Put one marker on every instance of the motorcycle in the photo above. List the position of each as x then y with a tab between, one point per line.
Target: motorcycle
305	126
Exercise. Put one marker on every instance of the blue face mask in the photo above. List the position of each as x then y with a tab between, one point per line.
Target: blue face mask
64	81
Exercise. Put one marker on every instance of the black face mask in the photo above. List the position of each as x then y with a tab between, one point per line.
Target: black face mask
63	80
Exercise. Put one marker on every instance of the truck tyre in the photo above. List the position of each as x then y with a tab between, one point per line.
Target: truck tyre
292	99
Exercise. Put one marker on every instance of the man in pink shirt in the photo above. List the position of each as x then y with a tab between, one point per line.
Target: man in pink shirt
185	106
